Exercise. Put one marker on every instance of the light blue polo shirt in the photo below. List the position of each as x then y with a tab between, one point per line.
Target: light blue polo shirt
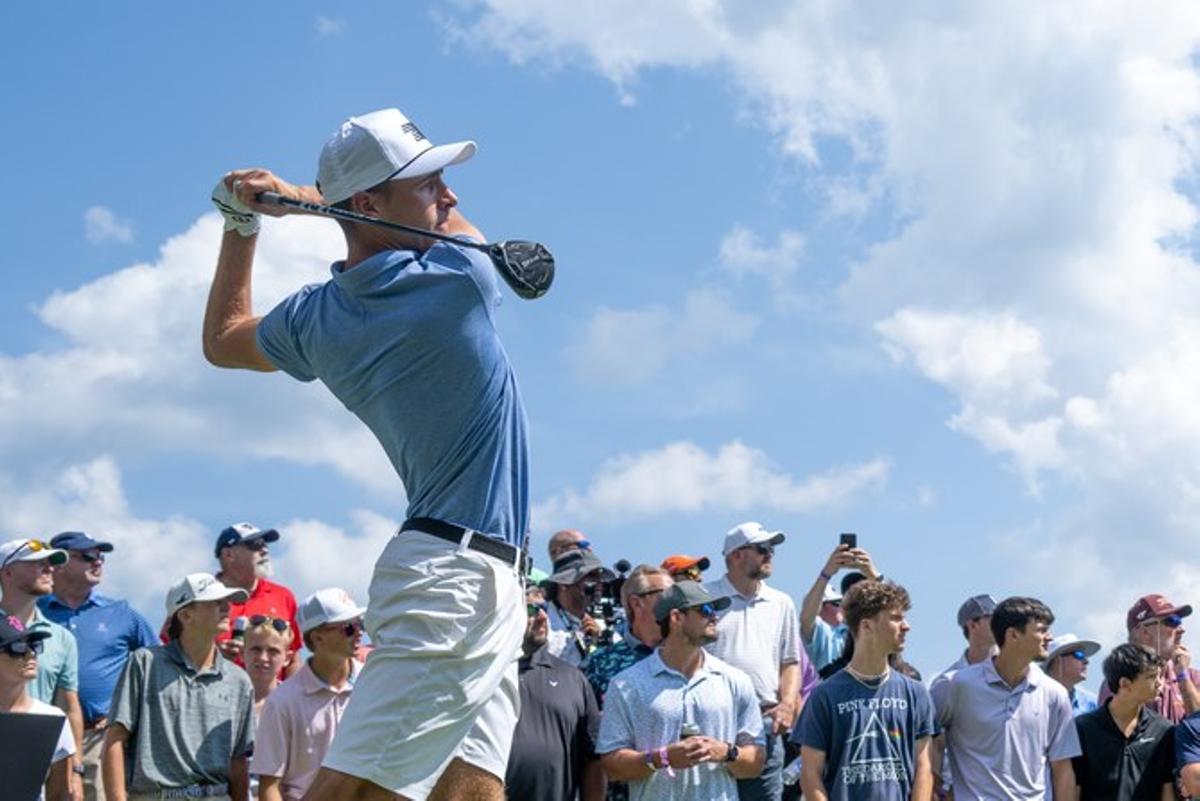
647	705
827	643
107	631
58	664
406	341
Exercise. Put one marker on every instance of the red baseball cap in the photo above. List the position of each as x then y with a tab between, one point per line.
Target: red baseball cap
680	562
1152	606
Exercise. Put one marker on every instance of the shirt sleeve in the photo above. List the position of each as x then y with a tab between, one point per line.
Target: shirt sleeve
68	677
1187	741
1063	737
66	742
942	691
924	717
616	724
278	336
142	635
822	644
749	712
270	739
127	697
789	647
590	730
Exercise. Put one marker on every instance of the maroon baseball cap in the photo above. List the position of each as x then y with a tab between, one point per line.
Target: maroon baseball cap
1152	606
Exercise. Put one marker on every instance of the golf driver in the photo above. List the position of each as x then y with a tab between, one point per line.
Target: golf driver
527	267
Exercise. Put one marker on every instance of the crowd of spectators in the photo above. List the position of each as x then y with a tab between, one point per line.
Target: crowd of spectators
655	681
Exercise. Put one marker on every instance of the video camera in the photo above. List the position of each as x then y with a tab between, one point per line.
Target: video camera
604	602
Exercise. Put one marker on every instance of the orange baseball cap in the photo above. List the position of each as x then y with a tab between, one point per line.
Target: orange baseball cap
680	562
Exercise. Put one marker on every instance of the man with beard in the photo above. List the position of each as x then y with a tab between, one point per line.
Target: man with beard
760	634
553	755
107	630
1155	623
1005	720
246	563
866	730
682	724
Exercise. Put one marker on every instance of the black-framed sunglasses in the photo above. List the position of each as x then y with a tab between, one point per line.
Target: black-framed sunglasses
277	623
22	648
28	546
255	545
763	548
350	627
534	608
90	558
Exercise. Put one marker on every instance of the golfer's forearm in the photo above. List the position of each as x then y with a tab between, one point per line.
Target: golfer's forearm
625	765
229	325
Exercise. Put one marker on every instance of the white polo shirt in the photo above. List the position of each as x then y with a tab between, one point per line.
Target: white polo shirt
758	635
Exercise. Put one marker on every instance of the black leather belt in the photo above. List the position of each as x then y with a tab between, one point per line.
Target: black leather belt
480	542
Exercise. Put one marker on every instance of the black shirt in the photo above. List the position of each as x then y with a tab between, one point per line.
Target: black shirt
556	732
1113	767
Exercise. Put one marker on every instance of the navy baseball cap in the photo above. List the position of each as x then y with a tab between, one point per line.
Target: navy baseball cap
78	541
243	532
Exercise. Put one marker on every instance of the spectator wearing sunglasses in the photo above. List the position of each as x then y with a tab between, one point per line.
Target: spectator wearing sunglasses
181	721
760	635
26	575
19	650
683	724
107	630
1128	749
1155	623
268	644
553	753
300	718
822	629
245	558
576	583
1067	663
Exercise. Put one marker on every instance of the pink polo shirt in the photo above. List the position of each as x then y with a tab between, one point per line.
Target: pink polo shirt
298	722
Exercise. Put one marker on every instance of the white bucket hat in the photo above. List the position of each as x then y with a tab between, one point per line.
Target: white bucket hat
380	146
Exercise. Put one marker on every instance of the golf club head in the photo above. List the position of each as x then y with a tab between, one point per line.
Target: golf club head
527	267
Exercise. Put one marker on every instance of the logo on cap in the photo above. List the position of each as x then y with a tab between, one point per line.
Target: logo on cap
411	128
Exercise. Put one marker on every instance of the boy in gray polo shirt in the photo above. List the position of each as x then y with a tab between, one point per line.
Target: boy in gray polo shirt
1005	720
181	724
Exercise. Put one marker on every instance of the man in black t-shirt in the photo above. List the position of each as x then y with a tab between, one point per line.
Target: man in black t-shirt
1128	749
553	754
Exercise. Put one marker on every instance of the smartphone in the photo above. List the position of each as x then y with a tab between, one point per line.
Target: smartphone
849	539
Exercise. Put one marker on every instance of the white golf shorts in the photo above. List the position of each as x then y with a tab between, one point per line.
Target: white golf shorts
447	625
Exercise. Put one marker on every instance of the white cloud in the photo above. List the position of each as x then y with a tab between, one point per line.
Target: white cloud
102	226
742	254
633	345
683	477
327	26
130	375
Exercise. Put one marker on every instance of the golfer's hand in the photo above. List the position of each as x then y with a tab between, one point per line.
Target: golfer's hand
247	184
685	753
230	649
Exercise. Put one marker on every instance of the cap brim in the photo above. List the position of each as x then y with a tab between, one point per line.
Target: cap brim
703	563
347	616
721	604
777	539
1184	611
435	158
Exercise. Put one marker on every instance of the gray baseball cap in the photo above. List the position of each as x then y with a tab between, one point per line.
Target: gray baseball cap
574	565
974	607
685	595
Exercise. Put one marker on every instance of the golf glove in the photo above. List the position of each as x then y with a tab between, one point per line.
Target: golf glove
237	216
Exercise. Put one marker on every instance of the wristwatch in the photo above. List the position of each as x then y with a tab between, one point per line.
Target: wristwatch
732	754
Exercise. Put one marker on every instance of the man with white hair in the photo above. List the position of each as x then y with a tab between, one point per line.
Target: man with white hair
181	720
404	335
759	633
299	720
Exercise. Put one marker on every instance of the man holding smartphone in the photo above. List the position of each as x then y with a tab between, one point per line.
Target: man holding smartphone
822	641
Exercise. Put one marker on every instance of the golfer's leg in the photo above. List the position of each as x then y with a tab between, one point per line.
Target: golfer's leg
461	782
344	787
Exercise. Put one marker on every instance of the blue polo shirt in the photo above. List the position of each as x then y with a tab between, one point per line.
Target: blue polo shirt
106	632
406	341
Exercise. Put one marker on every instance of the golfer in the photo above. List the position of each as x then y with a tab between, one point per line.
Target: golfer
403	334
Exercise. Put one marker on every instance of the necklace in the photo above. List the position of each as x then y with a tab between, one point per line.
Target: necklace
870	682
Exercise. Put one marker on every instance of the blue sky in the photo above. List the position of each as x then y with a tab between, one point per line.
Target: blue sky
927	275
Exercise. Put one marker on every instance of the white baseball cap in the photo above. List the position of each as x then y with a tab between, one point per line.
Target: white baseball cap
830	595
380	146
30	550
749	533
1065	643
201	587
330	605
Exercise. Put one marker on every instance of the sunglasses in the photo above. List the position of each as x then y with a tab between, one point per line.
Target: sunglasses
1170	621
277	623
708	610
22	648
534	609
90	558
691	573
646	593
28	546
1080	655
349	628
763	548
254	545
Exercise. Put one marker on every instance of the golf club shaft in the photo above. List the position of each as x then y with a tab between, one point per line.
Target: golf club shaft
353	216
